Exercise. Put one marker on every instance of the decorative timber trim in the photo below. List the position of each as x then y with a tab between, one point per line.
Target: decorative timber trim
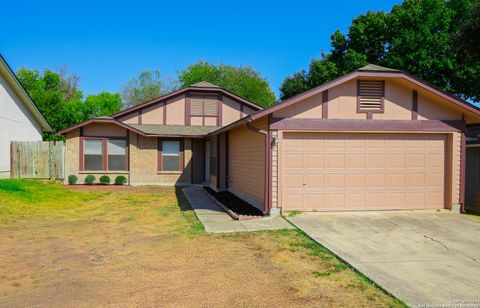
414	105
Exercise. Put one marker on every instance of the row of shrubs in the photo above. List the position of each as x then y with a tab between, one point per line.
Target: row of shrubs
104	179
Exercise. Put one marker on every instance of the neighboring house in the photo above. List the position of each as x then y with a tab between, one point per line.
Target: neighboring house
20	120
375	139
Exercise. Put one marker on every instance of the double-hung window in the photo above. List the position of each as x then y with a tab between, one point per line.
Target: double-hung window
170	155
116	151
104	154
93	159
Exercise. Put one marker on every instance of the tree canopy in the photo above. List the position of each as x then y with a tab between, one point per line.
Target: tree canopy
146	86
243	81
57	96
435	40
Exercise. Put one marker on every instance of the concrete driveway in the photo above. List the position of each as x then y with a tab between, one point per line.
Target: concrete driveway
419	257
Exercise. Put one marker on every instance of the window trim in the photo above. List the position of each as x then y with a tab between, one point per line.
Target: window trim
382	103
104	153
181	153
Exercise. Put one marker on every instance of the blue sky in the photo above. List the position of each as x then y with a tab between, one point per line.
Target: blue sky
108	42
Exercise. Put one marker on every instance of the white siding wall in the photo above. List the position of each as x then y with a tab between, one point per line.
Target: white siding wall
16	123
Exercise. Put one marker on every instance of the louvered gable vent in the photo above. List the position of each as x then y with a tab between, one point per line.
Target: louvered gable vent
371	94
196	106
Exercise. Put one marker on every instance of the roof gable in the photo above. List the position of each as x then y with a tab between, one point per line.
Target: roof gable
25	99
203	86
369	71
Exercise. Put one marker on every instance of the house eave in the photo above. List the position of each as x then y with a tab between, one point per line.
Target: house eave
23	95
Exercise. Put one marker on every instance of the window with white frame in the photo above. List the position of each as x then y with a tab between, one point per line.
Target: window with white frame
171	155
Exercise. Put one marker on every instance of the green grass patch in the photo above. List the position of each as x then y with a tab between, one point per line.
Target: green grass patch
294	213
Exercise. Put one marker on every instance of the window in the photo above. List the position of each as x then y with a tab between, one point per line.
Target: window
370	95
105	154
170	155
117	155
93	154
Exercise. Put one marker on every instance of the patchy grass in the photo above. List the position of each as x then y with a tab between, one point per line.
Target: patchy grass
145	247
294	213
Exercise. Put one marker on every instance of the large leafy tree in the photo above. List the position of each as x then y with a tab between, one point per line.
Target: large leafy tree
59	99
146	86
432	39
244	81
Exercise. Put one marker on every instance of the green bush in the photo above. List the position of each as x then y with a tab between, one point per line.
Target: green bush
72	179
120	180
105	179
89	179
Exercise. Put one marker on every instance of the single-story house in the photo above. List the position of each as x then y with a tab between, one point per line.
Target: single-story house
375	139
20	120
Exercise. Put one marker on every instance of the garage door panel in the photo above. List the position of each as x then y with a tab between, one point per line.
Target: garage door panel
355	161
397	161
396	180
336	200
334	180
293	160
356	200
376	180
314	160
363	171
294	180
416	160
415	180
314	181
335	160
376	161
356	180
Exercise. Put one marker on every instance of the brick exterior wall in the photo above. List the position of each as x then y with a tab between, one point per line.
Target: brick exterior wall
143	162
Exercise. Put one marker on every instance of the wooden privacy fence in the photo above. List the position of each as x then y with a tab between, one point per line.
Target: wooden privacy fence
37	160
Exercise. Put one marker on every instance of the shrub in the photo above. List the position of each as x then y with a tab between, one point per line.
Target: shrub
89	179
105	179
120	180
72	179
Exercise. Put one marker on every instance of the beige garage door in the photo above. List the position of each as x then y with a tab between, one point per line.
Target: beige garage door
325	172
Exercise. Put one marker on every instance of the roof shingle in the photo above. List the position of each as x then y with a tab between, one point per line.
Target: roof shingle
174	130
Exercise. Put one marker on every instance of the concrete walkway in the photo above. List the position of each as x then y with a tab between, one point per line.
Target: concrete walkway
419	257
215	220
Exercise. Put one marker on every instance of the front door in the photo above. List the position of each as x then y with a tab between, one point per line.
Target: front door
207	162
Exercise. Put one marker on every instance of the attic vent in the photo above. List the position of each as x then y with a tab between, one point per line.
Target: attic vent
203	105
370	95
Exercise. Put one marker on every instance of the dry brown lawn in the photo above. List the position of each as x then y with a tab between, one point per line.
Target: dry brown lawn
144	247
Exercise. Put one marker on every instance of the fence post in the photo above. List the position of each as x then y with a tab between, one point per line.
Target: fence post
12	161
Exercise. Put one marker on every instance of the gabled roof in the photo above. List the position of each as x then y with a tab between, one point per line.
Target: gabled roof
200	86
27	101
370	70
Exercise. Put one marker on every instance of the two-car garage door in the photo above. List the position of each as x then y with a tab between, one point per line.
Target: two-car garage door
357	171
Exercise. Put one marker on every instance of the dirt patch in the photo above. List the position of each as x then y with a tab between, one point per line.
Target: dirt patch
144	247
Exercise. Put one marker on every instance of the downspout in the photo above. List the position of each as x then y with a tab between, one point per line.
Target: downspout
268	163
